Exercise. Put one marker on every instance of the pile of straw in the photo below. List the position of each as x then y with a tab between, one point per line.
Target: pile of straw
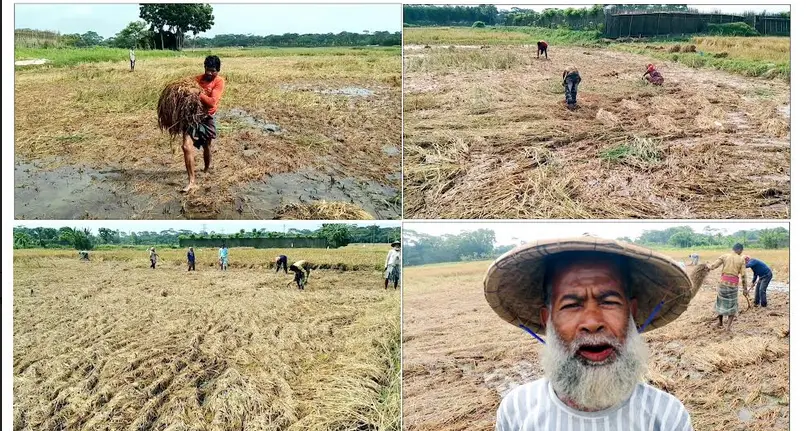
689	48
180	107
698	275
323	211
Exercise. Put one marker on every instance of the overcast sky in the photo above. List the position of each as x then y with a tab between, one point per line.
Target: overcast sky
258	19
218	226
515	232
729	9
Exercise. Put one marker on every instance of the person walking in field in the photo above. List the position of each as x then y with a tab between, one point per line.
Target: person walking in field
695	258
762	276
301	270
727	299
211	89
543	48
191	259
392	270
586	296
153	257
652	75
281	261
131	59
223	257
571	81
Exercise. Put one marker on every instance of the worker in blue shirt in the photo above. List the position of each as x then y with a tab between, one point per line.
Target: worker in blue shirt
762	275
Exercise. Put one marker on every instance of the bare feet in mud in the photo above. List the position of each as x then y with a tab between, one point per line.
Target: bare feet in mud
189	187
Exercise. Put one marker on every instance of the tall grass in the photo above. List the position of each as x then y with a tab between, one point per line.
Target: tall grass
496	36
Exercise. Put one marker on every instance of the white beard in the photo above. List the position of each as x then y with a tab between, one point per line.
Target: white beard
595	387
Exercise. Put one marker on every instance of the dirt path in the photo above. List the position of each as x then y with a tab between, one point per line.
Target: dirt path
487	136
460	359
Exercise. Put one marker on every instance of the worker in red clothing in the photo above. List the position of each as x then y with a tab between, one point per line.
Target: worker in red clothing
652	75
543	48
211	88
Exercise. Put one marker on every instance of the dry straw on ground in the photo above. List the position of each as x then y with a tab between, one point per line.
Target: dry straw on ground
115	344
323	211
179	107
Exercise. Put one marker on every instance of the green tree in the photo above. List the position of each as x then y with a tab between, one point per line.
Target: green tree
337	235
134	35
23	240
89	39
177	19
107	236
478	24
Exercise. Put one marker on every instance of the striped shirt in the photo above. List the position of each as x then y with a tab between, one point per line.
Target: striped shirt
535	406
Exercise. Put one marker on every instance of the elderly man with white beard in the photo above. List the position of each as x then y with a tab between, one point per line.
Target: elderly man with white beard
587	296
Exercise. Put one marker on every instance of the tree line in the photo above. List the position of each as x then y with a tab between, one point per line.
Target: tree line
337	235
685	237
421	249
585	18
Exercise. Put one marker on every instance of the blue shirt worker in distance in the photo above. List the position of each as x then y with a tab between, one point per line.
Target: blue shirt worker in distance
762	276
191	259
587	296
223	257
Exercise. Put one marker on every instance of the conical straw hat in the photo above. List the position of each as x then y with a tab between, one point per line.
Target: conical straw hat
514	283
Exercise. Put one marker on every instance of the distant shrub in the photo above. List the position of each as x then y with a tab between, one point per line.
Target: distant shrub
478	24
732	29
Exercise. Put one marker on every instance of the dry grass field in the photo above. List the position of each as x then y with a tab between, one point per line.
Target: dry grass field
112	344
460	358
487	135
91	128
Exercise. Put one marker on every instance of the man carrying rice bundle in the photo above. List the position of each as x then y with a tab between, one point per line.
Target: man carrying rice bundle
392	270
302	270
586	296
652	75
727	299
571	80
762	276
211	89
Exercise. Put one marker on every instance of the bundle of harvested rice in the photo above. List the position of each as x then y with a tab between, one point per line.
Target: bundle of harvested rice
776	127
180	107
721	55
697	276
689	48
607	118
631	105
322	211
662	123
674	48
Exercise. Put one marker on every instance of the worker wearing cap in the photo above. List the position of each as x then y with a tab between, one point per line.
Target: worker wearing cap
586	296
302	270
652	75
392	270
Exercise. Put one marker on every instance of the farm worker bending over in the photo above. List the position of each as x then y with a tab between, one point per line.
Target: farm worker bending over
281	261
302	270
211	89
727	297
191	259
543	48
586	296
153	256
652	75
762	276
131	59
223	257
84	255
392	271
695	258
571	80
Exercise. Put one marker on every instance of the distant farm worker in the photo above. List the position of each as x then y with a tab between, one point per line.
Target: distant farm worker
727	297
131	59
695	258
223	257
212	88
543	48
191	259
652	75
571	80
392	271
301	270
281	261
762	276
153	256
84	255
586	296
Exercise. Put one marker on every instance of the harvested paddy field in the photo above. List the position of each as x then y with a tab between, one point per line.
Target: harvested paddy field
112	343
301	131
487	135
460	358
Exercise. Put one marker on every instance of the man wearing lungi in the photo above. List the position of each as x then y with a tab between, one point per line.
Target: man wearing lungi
727	298
392	271
211	88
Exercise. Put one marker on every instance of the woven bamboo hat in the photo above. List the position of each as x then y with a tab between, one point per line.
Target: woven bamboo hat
514	283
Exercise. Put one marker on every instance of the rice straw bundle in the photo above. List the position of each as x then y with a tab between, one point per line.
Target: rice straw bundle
322	211
698	275
180	107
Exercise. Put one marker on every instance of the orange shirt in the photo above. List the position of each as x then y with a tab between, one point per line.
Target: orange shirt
212	92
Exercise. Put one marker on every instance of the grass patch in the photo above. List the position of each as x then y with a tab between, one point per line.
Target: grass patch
504	35
639	152
453	59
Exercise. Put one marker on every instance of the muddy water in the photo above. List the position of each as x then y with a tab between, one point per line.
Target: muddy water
73	192
344	91
241	116
263	199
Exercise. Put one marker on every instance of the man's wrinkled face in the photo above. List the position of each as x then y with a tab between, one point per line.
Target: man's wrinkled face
594	355
590	310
